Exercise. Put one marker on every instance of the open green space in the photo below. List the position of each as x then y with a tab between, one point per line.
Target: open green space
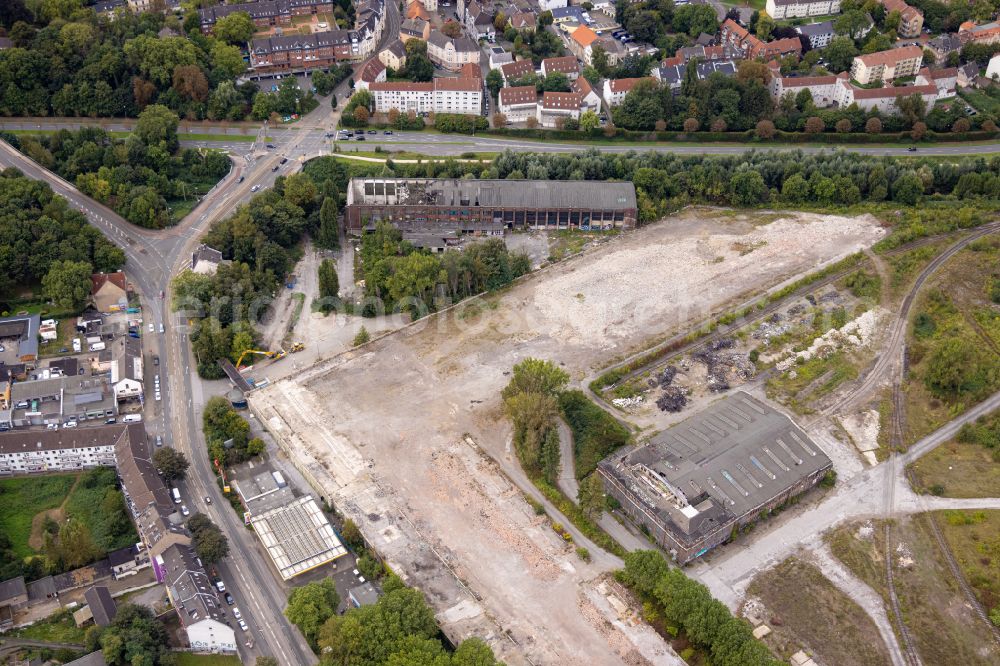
974	539
814	614
944	628
954	363
23	498
958	469
984	101
57	628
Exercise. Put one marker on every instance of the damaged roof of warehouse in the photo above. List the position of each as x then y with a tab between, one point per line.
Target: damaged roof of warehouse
579	194
738	454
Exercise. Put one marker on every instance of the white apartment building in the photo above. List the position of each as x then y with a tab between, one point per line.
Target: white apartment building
453	95
451	53
56	450
616	89
193	596
887	65
786	9
519	103
839	91
557	107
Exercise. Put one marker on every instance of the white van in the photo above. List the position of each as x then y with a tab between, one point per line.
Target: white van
176	495
97	346
132	418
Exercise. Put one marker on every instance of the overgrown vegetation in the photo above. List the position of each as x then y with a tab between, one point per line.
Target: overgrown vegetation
596	434
40	233
398	630
227	434
135	636
262	242
142	177
399	277
685	605
56	523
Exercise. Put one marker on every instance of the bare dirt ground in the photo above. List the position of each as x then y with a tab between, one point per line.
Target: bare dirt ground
391	432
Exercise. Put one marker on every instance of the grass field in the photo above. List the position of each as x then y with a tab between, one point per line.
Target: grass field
22	498
957	469
815	615
947	312
982	100
974	539
57	628
944	629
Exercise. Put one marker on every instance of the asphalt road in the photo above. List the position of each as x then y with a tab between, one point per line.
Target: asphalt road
453	145
153	256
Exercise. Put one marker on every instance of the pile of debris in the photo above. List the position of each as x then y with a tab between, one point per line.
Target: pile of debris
724	369
621	403
673	399
772	327
666	377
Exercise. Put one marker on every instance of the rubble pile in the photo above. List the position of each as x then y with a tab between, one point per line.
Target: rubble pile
772	327
673	399
725	368
627	402
667	376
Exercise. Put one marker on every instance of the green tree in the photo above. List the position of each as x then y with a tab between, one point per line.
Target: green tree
851	23
228	60
171	463
474	652
956	368
157	126
135	637
599	60
695	19
67	284
329	286
747	188
591	496
840	53
589	121
300	190
236	28
312	604
494	82
76	545
211	545
328	235
534	375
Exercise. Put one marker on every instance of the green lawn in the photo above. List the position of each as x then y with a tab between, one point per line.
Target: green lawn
983	100
57	628
100	506
23	498
190	659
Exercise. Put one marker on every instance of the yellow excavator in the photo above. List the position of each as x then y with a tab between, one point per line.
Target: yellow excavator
273	355
296	347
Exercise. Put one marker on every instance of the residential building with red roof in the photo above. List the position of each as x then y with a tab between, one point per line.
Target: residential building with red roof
911	19
442	95
887	65
616	89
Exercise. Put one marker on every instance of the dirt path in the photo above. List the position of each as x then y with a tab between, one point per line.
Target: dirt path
567	464
37	539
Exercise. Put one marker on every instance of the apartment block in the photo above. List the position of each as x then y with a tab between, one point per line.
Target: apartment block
786	9
887	65
452	95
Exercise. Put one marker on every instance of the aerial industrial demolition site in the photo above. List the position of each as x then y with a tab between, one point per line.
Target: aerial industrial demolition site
406	435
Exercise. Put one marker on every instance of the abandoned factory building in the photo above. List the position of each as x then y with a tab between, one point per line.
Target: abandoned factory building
695	484
488	207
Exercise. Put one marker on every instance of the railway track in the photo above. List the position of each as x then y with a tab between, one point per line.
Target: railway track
897	335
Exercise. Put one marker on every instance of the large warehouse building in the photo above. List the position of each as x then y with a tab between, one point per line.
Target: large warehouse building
490	206
697	482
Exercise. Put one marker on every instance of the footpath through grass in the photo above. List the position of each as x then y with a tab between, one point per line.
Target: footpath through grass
23	498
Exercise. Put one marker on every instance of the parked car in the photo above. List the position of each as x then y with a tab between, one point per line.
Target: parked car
69	424
219	585
236	613
243	625
284	160
151	327
229	599
255	188
184	510
161	328
274	168
111	420
159	440
52	426
156	359
208	500
242	178
270	146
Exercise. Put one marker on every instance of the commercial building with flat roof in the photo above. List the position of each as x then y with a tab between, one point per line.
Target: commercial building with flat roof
698	482
470	205
297	536
21	330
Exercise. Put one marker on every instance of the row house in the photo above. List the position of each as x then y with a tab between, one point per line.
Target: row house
451	54
988	33
451	95
479	22
738	39
514	71
887	65
673	75
193	596
518	103
555	108
414	28
943	46
911	19
56	450
265	13
945	80
788	9
567	65
393	56
818	34
126	369
840	92
373	71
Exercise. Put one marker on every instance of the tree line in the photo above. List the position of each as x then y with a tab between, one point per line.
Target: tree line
140	177
43	240
687	605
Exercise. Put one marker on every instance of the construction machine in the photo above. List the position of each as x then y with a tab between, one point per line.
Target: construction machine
297	347
273	355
